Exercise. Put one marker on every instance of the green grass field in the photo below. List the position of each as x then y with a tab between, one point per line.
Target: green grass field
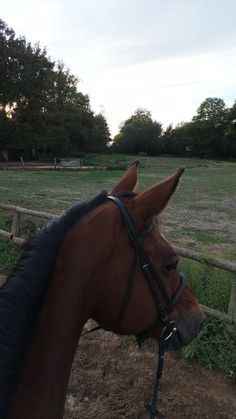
201	216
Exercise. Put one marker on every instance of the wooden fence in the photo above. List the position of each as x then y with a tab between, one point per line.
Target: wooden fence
229	318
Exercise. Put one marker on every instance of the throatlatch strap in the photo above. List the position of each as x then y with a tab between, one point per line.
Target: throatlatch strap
129	288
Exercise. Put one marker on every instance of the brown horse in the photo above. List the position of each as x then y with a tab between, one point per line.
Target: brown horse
78	268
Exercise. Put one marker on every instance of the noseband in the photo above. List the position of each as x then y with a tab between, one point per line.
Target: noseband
157	289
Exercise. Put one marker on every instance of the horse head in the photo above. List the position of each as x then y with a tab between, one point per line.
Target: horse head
125	302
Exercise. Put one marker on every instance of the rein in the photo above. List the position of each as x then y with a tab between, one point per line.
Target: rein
156	288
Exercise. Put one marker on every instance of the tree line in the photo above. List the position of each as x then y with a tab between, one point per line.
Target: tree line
211	133
42	113
41	110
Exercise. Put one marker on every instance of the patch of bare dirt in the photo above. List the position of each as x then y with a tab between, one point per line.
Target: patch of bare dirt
31	165
110	382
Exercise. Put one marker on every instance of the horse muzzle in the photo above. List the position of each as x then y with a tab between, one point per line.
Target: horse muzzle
186	332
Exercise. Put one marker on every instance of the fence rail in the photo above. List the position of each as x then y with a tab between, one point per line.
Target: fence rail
229	318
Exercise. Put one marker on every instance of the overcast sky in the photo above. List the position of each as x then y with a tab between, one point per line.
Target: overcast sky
163	55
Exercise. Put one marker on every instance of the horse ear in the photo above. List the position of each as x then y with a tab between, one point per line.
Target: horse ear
153	200
128	181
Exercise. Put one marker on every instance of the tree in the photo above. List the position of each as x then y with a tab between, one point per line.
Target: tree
10	49
139	134
208	127
101	134
213	111
36	85
176	140
10	52
230	132
25	85
41	109
71	109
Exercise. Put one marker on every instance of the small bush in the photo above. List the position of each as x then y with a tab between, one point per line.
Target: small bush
212	286
215	347
9	253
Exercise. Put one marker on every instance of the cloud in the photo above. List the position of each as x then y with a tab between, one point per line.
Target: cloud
118	33
171	88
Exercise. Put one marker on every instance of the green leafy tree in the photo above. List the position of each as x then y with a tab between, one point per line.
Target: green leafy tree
139	134
71	109
25	83
230	132
176	140
11	49
100	134
41	109
36	86
208	127
212	110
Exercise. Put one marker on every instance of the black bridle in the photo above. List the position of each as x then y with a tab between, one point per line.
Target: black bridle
153	279
156	288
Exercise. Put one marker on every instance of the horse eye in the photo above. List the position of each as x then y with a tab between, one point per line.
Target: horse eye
172	266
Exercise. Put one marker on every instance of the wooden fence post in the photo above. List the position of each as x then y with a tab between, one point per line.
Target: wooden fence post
16	224
232	307
22	162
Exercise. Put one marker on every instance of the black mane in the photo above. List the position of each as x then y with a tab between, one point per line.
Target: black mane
21	297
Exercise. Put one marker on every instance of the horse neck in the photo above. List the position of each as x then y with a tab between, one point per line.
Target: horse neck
42	387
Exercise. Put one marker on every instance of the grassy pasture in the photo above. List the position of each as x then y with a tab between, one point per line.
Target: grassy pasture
200	216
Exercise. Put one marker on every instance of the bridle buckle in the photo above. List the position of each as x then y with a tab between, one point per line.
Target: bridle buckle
169	331
164	317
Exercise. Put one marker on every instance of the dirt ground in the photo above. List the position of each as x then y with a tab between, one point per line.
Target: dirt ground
109	381
42	166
